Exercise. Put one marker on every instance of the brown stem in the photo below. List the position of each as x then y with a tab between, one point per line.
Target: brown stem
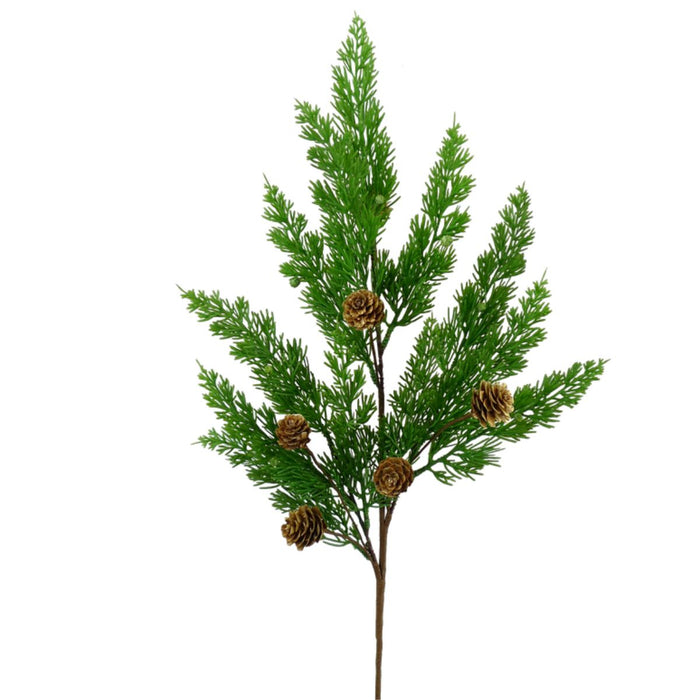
373	352
349	539
381	588
380	375
373	557
331	480
367	546
434	436
384	517
391	511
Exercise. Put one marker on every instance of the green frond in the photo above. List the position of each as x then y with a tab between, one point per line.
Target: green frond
451	356
428	255
280	367
463	460
541	404
486	334
353	152
247	436
523	331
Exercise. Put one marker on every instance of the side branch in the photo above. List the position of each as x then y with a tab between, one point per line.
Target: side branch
390	512
333	483
414	455
366	546
347	538
377	348
380	369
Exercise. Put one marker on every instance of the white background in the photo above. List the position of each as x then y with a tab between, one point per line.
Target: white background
133	141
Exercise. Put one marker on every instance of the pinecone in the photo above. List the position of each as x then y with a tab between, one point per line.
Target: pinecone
293	432
393	476
492	403
363	310
304	527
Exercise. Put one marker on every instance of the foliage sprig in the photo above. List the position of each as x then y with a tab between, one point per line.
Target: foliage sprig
367	444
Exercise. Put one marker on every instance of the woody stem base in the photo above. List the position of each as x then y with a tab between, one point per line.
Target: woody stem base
380	640
380	574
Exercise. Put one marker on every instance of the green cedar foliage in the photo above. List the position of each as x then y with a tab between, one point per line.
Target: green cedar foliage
486	335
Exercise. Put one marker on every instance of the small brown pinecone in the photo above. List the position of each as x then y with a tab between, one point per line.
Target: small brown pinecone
293	432
363	310
304	527
492	403
393	476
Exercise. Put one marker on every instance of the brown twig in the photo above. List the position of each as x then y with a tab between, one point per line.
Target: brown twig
349	539
390	512
435	435
373	351
380	384
332	482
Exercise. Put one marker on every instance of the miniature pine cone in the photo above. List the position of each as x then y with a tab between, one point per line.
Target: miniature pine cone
393	476
293	432
304	527
492	403
363	310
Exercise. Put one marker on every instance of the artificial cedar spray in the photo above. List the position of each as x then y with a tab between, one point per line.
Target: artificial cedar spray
339	456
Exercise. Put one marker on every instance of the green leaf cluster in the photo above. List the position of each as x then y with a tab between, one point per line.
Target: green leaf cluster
485	335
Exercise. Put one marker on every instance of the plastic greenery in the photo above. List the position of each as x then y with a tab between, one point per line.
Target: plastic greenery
354	425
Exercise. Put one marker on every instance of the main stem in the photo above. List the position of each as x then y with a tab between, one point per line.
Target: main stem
384	520
379	616
385	513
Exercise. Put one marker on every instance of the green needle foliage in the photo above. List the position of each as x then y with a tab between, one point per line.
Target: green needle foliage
484	336
426	419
